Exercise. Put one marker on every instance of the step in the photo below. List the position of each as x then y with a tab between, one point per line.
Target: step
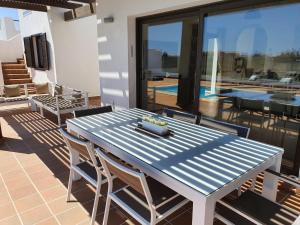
18	81
13	66
21	61
14	71
28	91
16	76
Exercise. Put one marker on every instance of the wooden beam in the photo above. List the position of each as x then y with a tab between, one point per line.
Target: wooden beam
83	1
23	5
54	3
81	12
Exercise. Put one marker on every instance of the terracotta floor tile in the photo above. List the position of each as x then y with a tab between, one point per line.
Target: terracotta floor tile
84	195
60	205
22	192
18	183
72	216
14	220
9	165
29	202
115	217
36	168
2	185
41	175
49	221
54	193
7	210
180	219
88	206
35	215
46	183
14	174
4	198
33	160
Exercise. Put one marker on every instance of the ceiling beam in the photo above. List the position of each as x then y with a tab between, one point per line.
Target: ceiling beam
54	3
81	12
84	1
23	5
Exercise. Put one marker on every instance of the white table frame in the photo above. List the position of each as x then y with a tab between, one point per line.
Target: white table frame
203	206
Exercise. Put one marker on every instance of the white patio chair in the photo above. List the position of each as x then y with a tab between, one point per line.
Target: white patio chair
253	208
89	169
144	198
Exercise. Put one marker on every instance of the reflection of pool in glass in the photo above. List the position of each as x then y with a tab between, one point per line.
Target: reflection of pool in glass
205	92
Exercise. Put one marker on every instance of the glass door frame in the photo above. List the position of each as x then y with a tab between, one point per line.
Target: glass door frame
202	12
155	19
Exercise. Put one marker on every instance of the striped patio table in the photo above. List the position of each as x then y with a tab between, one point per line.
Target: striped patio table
201	164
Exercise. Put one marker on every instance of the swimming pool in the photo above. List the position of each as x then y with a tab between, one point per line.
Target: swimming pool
204	92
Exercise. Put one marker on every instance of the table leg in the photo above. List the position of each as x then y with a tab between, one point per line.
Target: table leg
270	184
203	212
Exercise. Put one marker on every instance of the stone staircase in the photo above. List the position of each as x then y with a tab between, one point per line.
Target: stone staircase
17	73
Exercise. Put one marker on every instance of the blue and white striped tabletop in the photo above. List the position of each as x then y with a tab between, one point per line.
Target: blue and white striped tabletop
202	158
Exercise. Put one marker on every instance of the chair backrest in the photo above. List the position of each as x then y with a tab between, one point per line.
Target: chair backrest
75	145
251	104
226	127
187	117
133	178
277	108
92	111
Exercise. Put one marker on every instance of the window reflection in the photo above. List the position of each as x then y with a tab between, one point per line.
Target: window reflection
252	73
169	63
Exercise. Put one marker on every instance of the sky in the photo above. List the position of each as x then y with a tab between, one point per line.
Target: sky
8	12
270	30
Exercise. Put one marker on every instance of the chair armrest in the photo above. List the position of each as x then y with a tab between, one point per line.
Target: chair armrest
285	178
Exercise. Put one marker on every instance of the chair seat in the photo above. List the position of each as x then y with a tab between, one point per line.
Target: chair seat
160	194
259	208
89	171
159	191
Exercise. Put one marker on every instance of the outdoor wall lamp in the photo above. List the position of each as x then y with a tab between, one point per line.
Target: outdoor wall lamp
109	19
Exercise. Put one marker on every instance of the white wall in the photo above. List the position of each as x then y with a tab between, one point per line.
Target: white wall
73	49
76	52
7	28
11	49
34	23
115	40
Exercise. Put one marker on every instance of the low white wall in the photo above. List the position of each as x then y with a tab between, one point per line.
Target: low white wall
11	49
115	40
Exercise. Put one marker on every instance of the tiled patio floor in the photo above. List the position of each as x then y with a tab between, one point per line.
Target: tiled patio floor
34	173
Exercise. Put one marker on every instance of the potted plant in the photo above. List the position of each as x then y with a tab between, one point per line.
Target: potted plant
155	125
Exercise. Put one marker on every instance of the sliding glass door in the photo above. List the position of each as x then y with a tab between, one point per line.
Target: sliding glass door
239	64
251	73
169	55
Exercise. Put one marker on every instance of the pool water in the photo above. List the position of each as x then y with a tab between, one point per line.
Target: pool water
204	91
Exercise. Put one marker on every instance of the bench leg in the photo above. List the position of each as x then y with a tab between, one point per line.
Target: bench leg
42	111
59	120
33	106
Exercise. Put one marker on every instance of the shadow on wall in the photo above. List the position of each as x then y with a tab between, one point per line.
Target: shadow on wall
112	89
112	83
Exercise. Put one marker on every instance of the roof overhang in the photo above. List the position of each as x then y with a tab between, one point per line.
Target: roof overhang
41	5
